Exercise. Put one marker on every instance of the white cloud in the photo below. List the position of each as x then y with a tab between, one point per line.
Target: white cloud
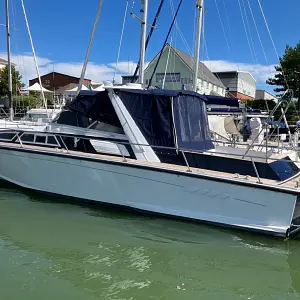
125	66
260	72
97	72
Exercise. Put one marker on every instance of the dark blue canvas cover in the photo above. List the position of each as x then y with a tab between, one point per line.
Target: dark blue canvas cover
153	110
96	106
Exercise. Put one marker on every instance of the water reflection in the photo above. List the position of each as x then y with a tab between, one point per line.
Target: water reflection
92	253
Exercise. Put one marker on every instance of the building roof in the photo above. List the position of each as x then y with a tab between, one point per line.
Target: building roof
266	92
203	73
59	74
5	62
234	72
129	76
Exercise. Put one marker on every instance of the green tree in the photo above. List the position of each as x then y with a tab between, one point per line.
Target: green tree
261	104
288	72
16	81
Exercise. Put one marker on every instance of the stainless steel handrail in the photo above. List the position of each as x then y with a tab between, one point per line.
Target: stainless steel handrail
147	145
182	150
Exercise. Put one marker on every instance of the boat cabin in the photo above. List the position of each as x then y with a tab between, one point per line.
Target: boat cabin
159	126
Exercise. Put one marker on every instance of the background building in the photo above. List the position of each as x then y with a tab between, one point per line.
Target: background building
4	63
129	78
54	81
239	84
175	71
264	95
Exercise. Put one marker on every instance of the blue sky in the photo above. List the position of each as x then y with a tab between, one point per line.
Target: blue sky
61	30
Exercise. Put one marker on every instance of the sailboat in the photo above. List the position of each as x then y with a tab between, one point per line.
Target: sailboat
151	151
35	119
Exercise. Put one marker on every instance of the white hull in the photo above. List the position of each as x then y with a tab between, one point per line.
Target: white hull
155	190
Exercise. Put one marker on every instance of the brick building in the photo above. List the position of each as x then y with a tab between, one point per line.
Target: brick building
53	81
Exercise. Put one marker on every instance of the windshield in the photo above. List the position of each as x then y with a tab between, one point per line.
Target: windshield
35	117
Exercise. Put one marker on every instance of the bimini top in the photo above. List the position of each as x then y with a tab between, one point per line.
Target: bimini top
169	118
166	93
220	100
96	106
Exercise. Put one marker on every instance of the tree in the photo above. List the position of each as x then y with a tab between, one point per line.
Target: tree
16	81
288	72
261	104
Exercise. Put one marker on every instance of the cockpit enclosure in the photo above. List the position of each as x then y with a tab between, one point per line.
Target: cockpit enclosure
171	119
170	122
176	119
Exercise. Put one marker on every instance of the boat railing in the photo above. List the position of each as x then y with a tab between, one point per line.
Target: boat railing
59	143
260	147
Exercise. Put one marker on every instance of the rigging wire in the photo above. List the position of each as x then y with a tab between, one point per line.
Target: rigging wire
217	6
249	31
225	37
251	42
164	80
227	19
166	39
121	39
257	31
194	30
16	43
245	29
153	26
179	30
205	49
274	46
231	38
259	37
34	56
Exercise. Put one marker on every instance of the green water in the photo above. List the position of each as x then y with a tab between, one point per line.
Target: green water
55	250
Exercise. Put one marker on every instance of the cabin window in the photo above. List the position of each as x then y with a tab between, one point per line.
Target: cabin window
170	77
7	136
27	138
186	80
40	139
31	138
51	140
191	123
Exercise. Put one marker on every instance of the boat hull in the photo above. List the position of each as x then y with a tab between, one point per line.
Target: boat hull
153	189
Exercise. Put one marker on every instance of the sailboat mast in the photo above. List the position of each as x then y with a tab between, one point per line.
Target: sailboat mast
34	57
143	40
199	6
11	111
89	48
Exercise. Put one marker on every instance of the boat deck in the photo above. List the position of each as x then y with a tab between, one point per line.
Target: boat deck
292	183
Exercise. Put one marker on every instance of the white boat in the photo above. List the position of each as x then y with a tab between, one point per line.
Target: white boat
127	170
152	151
34	119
